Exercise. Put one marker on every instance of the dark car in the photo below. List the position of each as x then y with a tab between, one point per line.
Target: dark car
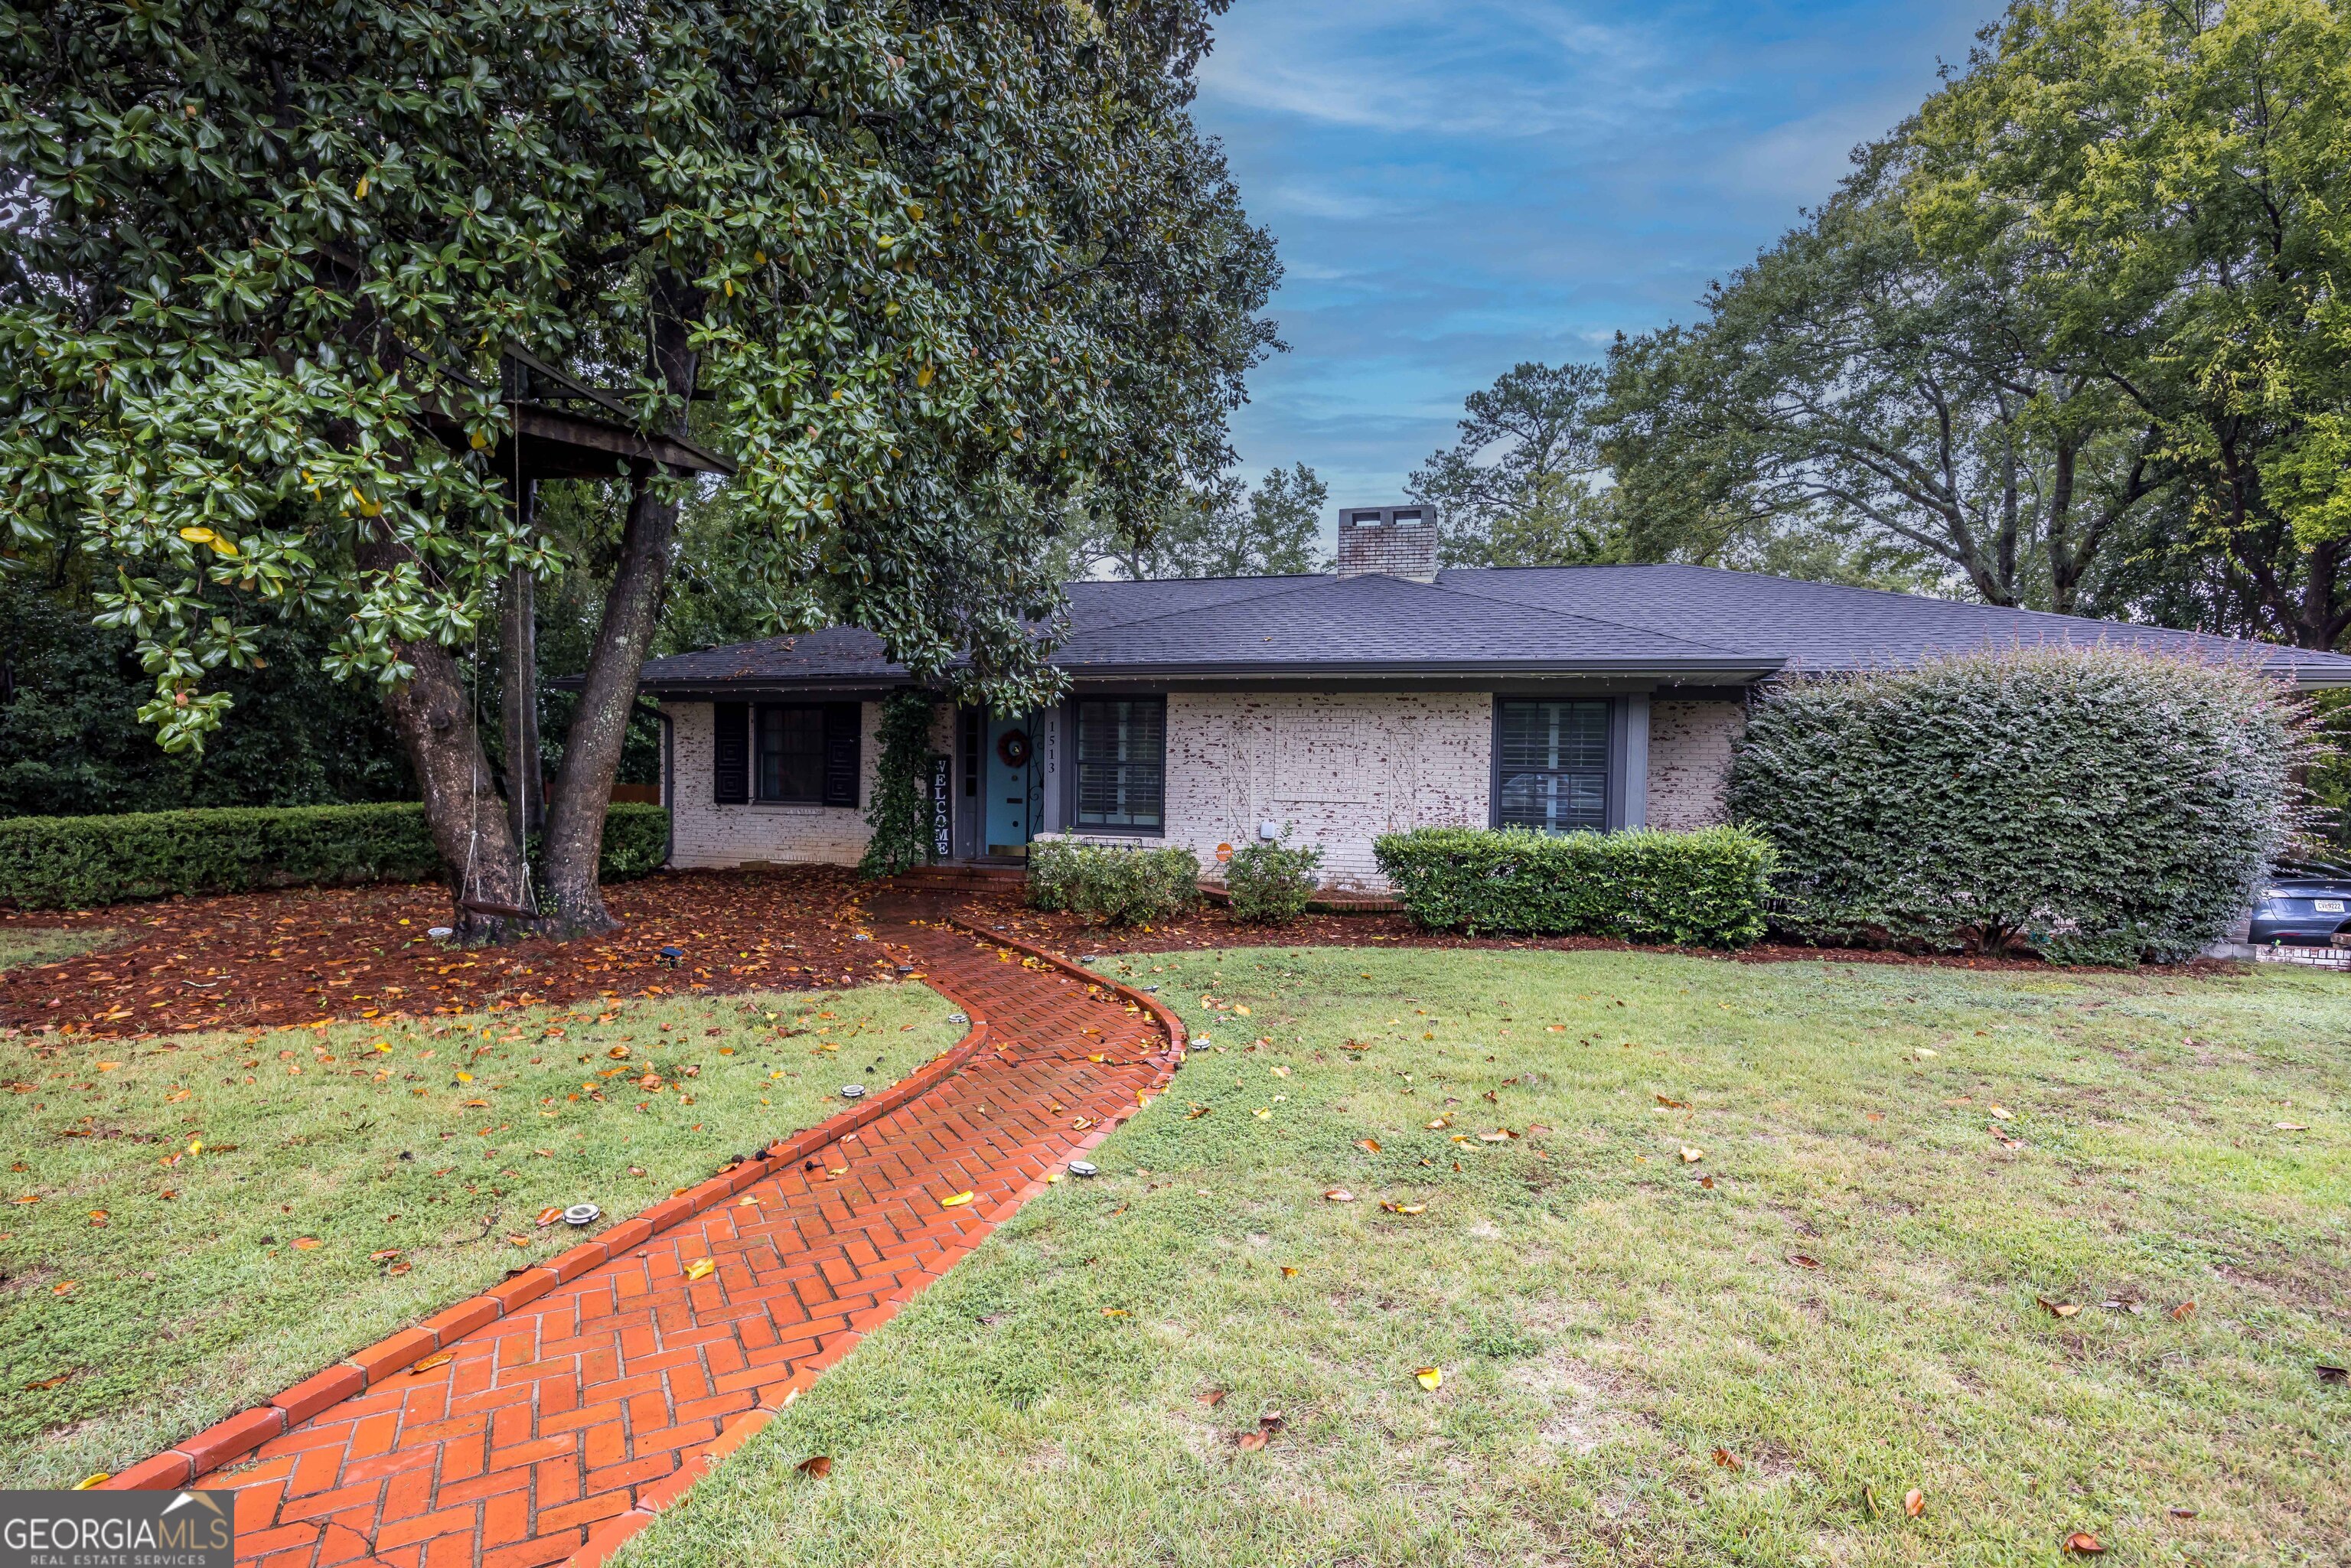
2304	904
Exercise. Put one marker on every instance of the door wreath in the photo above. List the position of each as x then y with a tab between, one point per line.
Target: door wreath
1012	746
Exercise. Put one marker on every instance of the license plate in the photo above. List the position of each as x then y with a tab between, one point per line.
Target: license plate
2328	905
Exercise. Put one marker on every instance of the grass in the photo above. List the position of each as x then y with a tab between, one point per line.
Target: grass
46	944
1633	1371
195	1221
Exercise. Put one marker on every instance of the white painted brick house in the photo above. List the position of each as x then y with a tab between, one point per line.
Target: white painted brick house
1332	709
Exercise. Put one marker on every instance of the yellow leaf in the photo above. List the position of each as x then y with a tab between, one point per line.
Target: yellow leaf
442	1358
359	191
308	1243
702	1268
197	536
1287	1272
922	376
1242	1011
464	1078
221	546
1429	1377
1116	1313
1691	1155
96	1478
957	1201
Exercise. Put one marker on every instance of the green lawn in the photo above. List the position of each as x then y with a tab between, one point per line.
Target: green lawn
47	944
204	1207
1604	1323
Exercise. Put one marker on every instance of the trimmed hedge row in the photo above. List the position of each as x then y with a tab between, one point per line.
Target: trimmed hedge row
76	862
1697	889
1110	883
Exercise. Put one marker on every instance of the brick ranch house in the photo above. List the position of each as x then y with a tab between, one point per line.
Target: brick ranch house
1385	696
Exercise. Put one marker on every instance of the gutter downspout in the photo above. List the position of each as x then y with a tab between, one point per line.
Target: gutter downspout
668	778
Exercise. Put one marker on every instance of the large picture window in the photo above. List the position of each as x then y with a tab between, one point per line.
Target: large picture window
1121	773
1551	765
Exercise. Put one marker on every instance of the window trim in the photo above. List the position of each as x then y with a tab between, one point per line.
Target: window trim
1612	766
1072	768
838	722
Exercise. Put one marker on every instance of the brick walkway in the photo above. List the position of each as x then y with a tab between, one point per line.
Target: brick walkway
554	1432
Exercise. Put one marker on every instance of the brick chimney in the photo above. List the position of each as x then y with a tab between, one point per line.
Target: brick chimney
1400	541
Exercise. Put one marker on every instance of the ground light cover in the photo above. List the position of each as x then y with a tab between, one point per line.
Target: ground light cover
194	1223
1443	1257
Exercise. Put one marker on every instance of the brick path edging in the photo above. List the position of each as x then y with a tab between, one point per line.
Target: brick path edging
1178	1038
240	1434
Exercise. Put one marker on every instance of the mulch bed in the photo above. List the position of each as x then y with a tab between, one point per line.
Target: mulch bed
300	954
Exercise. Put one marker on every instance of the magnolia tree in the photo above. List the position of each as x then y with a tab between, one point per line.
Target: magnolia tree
923	272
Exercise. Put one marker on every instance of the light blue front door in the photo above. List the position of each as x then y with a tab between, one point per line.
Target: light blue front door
1009	774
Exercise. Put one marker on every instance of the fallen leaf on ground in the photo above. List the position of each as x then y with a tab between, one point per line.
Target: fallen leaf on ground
1691	1155
1802	1262
439	1358
1288	1271
1214	1398
1673	1104
2334	1374
46	1383
2057	1309
1251	1441
1338	1194
2289	1127
1196	1113
2183	1311
1429	1377
1728	1460
2085	1544
817	1465
1499	1135
1438	1125
1395	1207
2180	1512
307	1243
1369	1145
1706	1182
1913	1502
550	1215
386	1256
702	1268
2002	1114
957	1201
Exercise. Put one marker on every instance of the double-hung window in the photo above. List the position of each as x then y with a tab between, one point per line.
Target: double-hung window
1121	771
787	760
1551	765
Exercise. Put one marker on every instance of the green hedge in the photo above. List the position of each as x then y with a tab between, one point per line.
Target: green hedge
52	862
1113	885
2106	806
1271	883
1700	889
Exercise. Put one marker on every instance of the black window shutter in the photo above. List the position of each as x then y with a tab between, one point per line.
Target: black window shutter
842	723
730	753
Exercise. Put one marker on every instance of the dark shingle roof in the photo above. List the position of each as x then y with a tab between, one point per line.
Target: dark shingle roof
1677	623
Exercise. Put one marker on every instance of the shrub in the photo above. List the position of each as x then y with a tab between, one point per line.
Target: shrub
1272	882
1108	883
47	862
2107	805
1705	888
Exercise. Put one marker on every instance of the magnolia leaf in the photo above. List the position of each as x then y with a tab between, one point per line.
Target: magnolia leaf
702	1268
1429	1377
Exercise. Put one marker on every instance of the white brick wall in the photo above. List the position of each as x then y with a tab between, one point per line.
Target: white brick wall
1344	767
709	835
1689	760
1340	768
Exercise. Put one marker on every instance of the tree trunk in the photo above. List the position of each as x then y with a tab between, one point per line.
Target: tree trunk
599	725
434	714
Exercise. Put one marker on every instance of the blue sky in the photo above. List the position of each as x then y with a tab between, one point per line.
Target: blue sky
1456	185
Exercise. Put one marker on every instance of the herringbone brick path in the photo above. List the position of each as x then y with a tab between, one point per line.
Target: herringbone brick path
554	1431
